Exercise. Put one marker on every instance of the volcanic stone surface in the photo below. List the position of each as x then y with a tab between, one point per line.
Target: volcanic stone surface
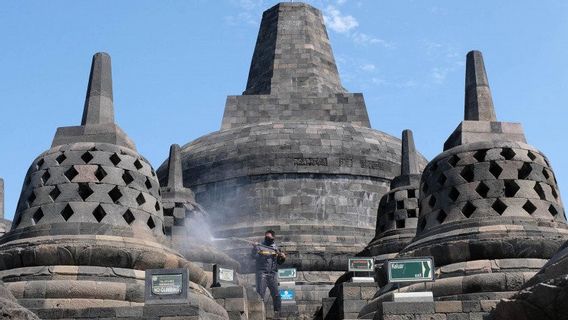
490	210
89	220
186	222
295	152
398	211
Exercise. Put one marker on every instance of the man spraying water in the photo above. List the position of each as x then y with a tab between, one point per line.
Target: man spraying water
268	256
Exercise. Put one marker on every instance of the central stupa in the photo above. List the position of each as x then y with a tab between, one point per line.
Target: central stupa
295	153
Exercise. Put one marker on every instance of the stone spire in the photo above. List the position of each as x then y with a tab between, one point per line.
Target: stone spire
409	161
292	53
293	75
480	123
175	177
99	107
97	124
478	100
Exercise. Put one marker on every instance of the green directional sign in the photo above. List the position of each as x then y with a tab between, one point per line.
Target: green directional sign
411	270
287	274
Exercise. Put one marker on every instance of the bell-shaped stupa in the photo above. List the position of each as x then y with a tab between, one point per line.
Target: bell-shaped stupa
89	220
490	209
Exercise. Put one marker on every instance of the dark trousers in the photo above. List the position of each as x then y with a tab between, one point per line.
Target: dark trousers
270	280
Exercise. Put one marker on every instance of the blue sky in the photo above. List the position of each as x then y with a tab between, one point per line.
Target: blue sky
174	63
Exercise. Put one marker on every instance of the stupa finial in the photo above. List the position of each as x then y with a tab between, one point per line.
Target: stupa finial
478	100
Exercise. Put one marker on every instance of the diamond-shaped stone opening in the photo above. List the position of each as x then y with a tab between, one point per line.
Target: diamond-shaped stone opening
442	179
138	164
84	191
540	191
454	194
150	223
45	176
467	173
441	216
115	159
54	193
482	189
554	193
499	206
391	215
545	173
127	177
511	188
148	183
422	224
157	206
60	158
31	198
100	173
531	155
37	216
168	212
552	210
87	157
153	172
71	173
99	213
140	199
400	224
115	194
432	201
434	166
525	170
468	209
400	204
411	193
495	169
128	216
40	163
453	160
508	153
479	155
67	212
412	213
529	207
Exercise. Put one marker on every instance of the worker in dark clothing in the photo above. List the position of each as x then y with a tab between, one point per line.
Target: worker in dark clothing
268	256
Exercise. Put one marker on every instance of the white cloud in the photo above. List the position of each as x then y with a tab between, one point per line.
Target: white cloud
365	39
340	2
368	67
338	22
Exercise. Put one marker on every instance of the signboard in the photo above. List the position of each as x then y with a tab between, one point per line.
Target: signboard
167	284
226	275
287	273
361	264
411	270
287	294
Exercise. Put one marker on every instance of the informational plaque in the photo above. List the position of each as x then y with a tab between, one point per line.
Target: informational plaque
224	277
166	286
287	274
361	265
226	274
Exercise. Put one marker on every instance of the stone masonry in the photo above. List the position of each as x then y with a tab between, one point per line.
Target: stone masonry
490	210
89	222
